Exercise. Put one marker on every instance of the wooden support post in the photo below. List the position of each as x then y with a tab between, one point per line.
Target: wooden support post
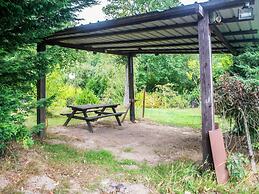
126	90
131	88
144	103
41	94
207	103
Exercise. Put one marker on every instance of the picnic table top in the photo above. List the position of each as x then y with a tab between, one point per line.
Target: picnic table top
92	106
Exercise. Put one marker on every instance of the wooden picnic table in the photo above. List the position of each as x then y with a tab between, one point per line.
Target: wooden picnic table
97	112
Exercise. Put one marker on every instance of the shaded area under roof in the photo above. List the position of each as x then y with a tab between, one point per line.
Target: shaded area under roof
172	31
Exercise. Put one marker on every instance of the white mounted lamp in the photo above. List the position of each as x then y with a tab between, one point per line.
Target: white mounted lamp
246	12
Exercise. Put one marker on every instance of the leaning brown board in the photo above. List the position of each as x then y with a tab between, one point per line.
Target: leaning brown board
219	155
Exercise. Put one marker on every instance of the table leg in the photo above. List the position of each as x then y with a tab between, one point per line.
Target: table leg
100	113
69	118
90	128
117	117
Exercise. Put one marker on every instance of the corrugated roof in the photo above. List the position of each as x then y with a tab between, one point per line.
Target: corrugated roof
170	31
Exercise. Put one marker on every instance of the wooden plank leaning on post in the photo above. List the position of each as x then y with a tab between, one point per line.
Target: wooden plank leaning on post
207	104
41	94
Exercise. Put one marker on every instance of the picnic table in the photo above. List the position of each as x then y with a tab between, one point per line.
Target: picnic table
81	112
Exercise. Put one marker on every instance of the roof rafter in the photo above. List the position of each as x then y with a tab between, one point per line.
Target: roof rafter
143	40
221	38
180	44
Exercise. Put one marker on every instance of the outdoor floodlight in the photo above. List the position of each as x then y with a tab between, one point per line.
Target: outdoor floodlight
246	12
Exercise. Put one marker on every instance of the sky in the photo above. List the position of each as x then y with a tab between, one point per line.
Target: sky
94	13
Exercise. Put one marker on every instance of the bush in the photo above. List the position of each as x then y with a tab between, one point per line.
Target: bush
153	100
163	97
232	96
87	97
178	102
157	100
63	94
236	164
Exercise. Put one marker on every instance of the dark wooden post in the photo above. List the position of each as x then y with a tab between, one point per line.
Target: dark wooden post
131	88
41	94
207	103
144	103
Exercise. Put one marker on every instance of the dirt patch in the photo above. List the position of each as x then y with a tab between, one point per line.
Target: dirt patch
34	172
110	187
3	182
40	183
143	141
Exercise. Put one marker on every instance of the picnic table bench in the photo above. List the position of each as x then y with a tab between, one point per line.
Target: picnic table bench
97	111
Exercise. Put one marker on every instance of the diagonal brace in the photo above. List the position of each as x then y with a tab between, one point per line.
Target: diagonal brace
221	38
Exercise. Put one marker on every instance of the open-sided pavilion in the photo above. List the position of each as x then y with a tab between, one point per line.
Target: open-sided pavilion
217	26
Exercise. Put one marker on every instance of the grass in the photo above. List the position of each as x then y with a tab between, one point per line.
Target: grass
62	153
188	117
174	117
51	121
175	177
128	149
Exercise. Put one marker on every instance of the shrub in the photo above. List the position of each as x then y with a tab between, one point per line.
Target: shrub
63	94
236	164
87	97
163	97
232	96
178	102
153	100
194	98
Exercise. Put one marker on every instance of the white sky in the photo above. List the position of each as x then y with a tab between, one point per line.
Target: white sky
95	13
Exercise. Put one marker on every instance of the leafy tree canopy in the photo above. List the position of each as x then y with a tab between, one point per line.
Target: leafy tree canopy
121	8
246	66
23	22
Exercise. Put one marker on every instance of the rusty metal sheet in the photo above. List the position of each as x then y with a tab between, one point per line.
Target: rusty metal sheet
219	155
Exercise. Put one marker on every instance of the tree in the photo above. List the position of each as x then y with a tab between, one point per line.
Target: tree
160	70
121	8
246	66
24	23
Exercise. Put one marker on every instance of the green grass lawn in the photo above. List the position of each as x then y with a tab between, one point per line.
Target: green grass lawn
51	121
175	117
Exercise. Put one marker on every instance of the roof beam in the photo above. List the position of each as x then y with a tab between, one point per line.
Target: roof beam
65	45
180	51
101	44
222	38
173	49
140	30
110	51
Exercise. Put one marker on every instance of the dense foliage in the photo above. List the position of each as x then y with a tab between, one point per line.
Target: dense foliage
237	93
24	23
121	8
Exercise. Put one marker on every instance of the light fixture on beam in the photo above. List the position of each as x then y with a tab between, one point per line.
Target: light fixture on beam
246	12
215	18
